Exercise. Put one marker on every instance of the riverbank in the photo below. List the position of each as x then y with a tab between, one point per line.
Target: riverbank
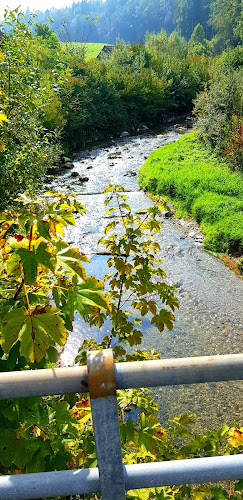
200	186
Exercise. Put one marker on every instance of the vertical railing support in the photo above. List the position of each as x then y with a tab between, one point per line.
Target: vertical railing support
102	388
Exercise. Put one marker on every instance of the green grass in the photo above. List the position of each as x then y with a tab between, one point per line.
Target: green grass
200	185
91	49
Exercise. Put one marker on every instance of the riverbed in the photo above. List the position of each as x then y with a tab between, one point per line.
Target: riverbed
210	318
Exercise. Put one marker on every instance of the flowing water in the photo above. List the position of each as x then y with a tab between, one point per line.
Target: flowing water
210	317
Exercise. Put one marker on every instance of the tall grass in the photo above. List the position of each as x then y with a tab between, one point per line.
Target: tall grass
200	185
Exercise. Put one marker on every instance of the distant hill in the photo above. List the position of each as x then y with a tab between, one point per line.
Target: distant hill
99	20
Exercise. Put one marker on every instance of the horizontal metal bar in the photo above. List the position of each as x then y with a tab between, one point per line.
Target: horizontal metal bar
157	474
19	384
178	472
174	371
49	484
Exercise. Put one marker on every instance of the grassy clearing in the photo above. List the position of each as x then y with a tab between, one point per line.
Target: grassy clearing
90	49
201	186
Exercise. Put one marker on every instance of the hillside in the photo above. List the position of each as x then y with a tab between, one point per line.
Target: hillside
130	20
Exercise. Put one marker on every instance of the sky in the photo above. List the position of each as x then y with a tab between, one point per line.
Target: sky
33	4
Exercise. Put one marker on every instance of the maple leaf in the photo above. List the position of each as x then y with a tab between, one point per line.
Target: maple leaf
33	330
69	258
30	259
163	318
87	294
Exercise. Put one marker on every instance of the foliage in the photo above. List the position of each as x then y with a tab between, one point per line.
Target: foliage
42	285
182	15
224	17
178	442
240	264
234	148
51	39
200	185
84	99
26	91
136	285
216	107
136	84
39	268
220	19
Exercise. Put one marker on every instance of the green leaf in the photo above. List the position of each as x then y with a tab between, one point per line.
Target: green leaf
30	259
201	493
239	486
7	446
33	330
12	324
86	294
69	259
33	341
163	318
219	494
184	420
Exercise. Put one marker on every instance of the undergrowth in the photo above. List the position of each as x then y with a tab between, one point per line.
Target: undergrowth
200	185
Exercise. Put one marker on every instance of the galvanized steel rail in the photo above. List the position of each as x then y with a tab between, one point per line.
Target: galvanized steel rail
73	482
101	377
174	371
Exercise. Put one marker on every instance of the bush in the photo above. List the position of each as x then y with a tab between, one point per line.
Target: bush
234	148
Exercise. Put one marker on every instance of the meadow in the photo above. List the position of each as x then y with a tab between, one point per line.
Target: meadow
201	186
91	50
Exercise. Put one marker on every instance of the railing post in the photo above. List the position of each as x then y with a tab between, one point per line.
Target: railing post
102	388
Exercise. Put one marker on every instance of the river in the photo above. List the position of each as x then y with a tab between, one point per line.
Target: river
210	318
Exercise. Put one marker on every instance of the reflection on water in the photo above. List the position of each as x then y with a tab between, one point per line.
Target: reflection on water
210	317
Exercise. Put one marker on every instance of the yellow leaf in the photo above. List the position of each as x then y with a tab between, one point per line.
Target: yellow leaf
59	229
236	439
2	146
3	118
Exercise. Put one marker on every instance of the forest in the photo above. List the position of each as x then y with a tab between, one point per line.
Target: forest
181	60
104	22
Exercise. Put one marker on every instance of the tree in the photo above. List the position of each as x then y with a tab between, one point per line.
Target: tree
215	107
26	90
197	43
224	18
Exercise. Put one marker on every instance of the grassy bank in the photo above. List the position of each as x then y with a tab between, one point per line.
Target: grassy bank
90	49
201	186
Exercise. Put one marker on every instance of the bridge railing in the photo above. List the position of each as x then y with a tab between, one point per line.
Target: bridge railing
101	378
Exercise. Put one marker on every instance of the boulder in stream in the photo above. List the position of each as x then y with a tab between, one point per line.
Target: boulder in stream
113	156
125	134
130	173
68	165
142	128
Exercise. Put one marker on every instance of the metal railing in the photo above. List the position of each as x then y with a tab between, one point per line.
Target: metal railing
101	377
